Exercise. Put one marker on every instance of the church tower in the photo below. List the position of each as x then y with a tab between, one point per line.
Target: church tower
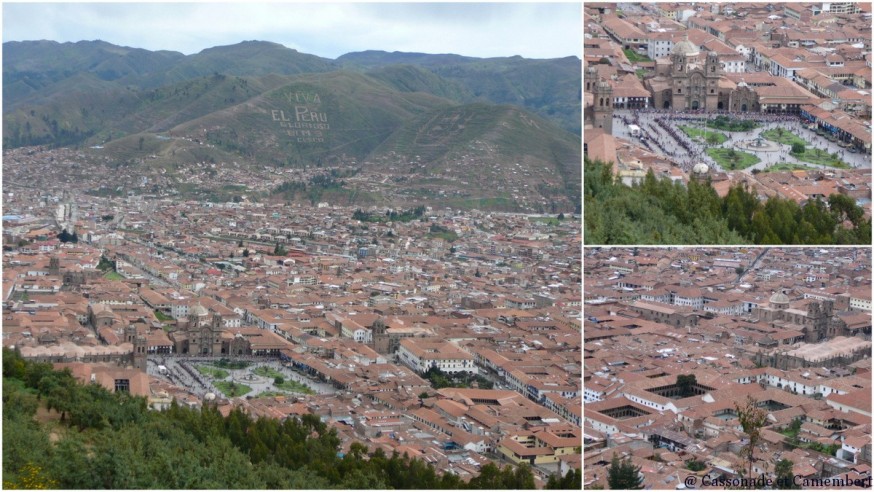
591	78
140	352
603	106
54	265
712	74
380	338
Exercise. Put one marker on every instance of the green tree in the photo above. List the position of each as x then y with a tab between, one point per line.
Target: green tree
686	383
572	480
623	475
784	475
752	418
712	138
797	148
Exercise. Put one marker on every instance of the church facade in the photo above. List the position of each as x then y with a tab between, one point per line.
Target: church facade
685	83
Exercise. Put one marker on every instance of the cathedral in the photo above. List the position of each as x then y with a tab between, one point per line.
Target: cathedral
819	322
686	83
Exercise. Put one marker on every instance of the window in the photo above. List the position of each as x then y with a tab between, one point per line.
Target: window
122	385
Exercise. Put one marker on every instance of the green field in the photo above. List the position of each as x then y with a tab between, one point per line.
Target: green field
816	156
232	389
731	159
162	317
785	137
113	276
731	125
693	132
268	372
212	372
634	57
231	364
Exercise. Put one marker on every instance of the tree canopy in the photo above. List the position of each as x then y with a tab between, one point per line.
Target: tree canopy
623	475
659	211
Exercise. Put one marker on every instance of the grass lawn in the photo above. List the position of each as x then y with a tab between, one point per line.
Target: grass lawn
113	276
295	387
231	364
731	125
232	389
162	317
787	138
743	159
816	156
268	372
698	132
212	372
634	57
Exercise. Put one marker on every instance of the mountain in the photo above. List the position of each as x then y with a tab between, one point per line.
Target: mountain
32	67
249	58
261	105
549	87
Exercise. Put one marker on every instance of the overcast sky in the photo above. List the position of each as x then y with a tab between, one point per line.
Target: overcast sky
532	30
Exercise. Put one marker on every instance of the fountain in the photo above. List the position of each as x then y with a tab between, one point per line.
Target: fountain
250	378
758	145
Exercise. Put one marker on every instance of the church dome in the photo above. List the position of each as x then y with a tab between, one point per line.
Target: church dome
685	47
199	310
779	298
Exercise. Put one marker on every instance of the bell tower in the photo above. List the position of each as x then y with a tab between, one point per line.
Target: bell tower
712	74
591	78
603	106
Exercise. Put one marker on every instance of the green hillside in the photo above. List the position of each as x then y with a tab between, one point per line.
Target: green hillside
551	87
249	58
29	67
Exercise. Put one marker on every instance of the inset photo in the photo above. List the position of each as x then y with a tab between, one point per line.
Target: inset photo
727	123
727	367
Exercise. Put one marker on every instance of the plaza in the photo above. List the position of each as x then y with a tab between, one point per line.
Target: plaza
183	372
660	132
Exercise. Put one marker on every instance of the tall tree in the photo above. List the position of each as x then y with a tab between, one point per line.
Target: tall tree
686	383
623	475
752	418
785	476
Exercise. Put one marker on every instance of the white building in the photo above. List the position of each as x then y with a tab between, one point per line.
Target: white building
423	354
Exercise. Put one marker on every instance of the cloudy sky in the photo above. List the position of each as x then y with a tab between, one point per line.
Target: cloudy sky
532	30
